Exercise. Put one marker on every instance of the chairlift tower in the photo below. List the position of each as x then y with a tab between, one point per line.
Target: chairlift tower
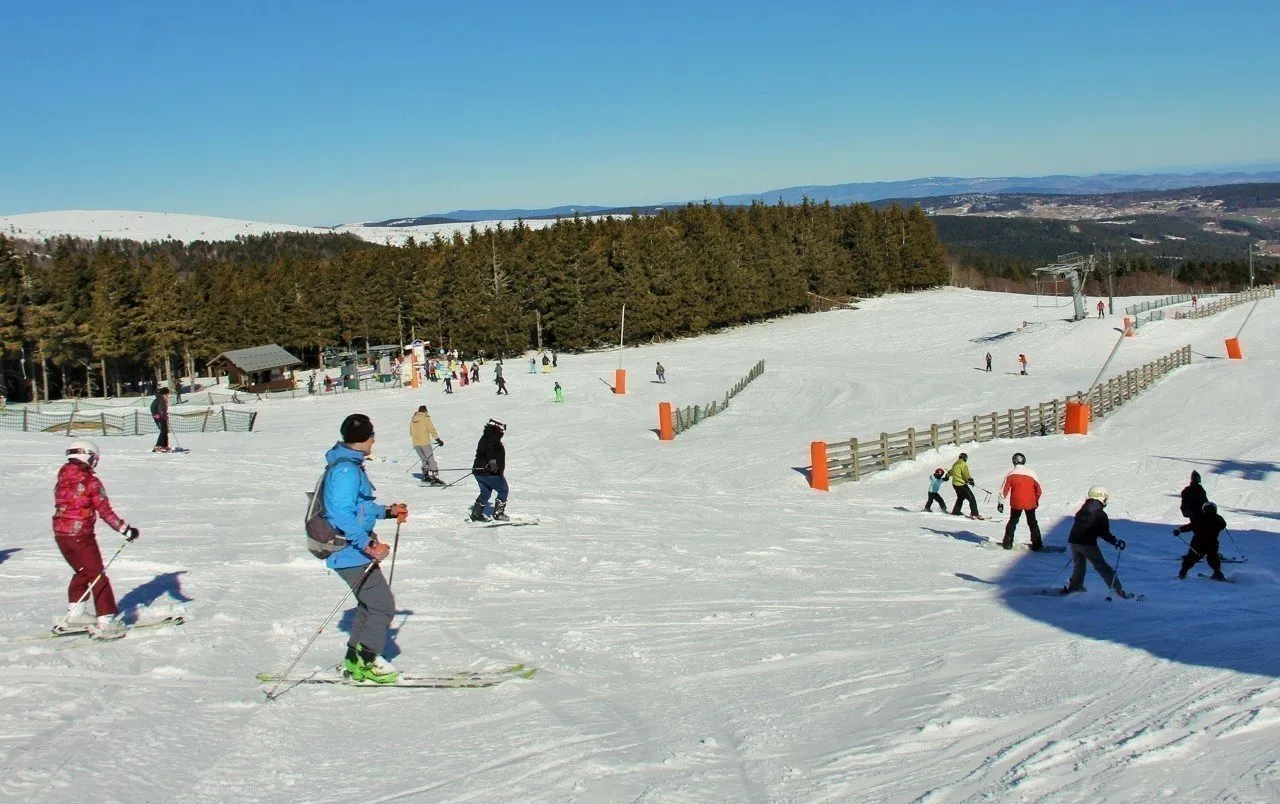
1074	268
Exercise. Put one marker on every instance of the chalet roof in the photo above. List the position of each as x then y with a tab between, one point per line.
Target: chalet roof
259	358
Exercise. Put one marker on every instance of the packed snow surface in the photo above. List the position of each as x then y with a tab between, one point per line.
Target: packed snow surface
705	626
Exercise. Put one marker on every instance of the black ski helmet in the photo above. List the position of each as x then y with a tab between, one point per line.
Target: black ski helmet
1019	459
1209	507
964	456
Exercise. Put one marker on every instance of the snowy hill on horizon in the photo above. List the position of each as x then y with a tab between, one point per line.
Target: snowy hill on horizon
705	626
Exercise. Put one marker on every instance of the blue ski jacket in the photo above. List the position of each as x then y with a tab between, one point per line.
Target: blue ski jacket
935	483
349	505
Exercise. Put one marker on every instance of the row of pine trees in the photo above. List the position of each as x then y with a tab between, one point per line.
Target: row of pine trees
77	317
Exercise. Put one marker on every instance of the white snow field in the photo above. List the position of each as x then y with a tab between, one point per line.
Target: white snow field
145	226
705	626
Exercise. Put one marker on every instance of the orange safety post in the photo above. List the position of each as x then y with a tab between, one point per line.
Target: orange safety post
620	381
413	369
1233	349
1077	418
818	466
1128	327
665	431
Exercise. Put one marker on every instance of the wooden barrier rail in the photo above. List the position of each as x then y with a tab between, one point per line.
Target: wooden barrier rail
850	460
1214	307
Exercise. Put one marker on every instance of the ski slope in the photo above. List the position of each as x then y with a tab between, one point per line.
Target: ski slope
705	626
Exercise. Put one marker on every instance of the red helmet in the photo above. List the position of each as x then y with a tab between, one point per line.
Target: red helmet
938	472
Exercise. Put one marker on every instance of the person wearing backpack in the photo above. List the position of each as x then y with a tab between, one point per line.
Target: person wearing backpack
351	510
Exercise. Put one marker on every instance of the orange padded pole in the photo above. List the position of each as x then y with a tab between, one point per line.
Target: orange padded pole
620	381
818	466
1077	418
665	431
1233	349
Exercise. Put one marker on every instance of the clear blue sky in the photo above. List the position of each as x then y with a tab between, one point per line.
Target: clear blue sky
324	112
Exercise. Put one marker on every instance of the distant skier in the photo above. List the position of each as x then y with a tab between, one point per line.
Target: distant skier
1102	309
935	484
489	465
351	509
464	374
555	360
475	372
961	483
533	365
79	499
1193	497
559	393
662	373
499	380
160	415
448	383
1022	361
422	432
546	365
1091	524
988	361
1022	489
311	383
1204	527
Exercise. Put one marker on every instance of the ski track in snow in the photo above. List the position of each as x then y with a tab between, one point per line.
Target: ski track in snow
705	627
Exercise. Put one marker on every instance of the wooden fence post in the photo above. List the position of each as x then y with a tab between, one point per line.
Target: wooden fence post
884	450
933	436
853	451
818	466
911	442
955	432
24	419
104	422
976	431
224	418
204	425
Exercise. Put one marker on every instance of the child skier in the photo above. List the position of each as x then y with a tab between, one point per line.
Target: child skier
935	483
1205	527
1022	489
350	508
961	481
1090	525
488	468
79	499
160	415
559	393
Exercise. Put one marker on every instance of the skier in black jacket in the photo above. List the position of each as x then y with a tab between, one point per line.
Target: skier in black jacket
1092	524
488	468
1193	497
1204	528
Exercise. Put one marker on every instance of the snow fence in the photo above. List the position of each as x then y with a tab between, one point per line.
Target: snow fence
684	418
122	421
851	460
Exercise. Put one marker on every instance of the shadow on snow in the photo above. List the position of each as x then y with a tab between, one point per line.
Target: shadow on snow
7	553
1245	470
166	583
391	650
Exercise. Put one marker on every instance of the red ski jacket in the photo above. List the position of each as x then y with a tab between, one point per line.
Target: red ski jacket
1022	489
79	500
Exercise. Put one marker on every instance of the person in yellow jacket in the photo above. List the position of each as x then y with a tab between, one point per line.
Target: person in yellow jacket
961	484
423	434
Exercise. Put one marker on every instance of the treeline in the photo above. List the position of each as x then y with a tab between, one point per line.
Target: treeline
78	316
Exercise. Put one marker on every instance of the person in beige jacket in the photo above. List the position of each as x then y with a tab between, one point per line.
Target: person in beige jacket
423	434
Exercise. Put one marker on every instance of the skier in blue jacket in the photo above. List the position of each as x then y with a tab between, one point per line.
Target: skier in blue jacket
351	509
935	484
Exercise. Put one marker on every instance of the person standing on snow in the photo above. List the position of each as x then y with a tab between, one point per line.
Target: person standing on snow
662	373
422	432
1204	527
475	371
1022	361
79	499
488	468
988	361
499	380
533	365
559	393
352	510
160	415
1090	525
961	482
1193	497
1102	309
1022	489
935	483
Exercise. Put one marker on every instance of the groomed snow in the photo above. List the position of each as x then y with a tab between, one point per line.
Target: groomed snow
706	627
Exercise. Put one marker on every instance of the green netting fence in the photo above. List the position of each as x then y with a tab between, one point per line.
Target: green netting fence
123	421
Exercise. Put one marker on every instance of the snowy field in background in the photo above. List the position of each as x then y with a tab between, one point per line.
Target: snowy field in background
145	226
706	627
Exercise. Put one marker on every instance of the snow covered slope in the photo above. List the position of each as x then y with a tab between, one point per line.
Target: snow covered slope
144	226
705	626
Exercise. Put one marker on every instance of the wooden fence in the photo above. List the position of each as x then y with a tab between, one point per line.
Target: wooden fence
684	418
852	460
1260	292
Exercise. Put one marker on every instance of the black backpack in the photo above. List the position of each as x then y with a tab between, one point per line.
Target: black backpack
323	539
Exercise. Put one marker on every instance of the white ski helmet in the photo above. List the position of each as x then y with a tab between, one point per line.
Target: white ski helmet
83	450
1098	493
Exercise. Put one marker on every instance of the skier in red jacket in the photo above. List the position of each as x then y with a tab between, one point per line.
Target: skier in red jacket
1022	490
79	500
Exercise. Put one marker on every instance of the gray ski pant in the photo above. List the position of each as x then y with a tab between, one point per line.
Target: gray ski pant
1082	553
428	457
374	607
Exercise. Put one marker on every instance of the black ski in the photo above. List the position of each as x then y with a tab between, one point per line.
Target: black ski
1219	580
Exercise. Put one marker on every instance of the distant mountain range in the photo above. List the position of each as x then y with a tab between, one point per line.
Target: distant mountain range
880	190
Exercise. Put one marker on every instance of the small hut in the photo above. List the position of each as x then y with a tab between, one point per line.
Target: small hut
262	368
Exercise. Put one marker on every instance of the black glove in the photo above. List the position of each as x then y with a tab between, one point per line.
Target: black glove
492	466
1000	508
439	443
970	481
130	533
1119	544
1177	531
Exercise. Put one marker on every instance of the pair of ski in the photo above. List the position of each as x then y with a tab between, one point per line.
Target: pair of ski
77	630
1122	595
1044	548
463	679
514	522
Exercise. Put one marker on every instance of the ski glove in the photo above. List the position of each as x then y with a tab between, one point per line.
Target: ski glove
970	481
491	467
377	551
130	533
1177	531
439	443
1000	508
399	512
1119	544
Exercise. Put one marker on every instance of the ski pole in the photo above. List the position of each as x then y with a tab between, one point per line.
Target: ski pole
1233	542
464	477
1189	547
1115	575
1064	569
395	545
271	695
89	591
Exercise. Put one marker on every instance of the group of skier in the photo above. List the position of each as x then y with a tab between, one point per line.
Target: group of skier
1022	490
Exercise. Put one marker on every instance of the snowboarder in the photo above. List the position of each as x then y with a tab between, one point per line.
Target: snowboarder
935	483
352	510
160	415
79	499
662	373
488	467
1193	497
1102	309
422	432
988	361
1022	489
961	481
1204	527
1091	524
1022	361
559	393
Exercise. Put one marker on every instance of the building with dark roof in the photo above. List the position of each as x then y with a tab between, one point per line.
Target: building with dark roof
262	368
